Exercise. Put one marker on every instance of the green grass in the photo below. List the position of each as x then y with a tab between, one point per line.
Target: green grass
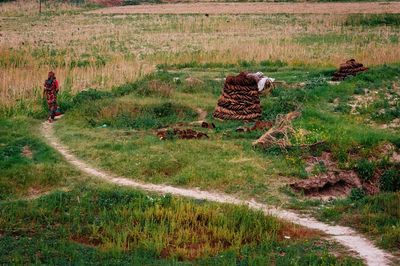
226	161
116	226
378	216
198	163
37	170
373	20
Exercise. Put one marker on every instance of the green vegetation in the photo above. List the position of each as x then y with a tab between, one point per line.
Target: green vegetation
246	171
116	226
373	20
390	180
377	215
113	108
365	169
27	165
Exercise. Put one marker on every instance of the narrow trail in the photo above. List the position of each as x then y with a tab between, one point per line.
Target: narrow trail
344	235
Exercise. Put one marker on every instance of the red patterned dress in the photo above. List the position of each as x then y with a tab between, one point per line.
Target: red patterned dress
51	90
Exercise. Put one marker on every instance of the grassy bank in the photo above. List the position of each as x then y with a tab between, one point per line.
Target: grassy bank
116	226
28	167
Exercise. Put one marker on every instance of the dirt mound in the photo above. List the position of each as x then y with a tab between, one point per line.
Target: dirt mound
330	185
330	181
350	68
240	99
168	133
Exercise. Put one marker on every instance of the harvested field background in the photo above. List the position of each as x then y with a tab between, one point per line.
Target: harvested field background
257	8
88	49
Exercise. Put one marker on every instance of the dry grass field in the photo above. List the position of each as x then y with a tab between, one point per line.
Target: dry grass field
258	8
99	49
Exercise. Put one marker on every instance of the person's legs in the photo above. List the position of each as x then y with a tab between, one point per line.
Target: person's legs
53	110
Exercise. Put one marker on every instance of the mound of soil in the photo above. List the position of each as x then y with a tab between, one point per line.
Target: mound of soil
240	99
350	68
332	182
166	133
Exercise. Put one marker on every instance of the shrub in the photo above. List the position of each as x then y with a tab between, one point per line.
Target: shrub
356	194
365	169
390	180
373	20
90	95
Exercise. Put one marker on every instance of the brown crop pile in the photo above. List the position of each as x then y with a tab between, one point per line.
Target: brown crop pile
240	99
350	68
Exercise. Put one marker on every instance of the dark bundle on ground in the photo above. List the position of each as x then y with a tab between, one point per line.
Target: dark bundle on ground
240	99
350	68
167	133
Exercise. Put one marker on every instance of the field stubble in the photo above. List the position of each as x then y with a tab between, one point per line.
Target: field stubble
102	51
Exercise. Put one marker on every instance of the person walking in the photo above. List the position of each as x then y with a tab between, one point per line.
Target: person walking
51	91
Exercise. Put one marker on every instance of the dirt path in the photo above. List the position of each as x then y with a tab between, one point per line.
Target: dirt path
256	8
344	235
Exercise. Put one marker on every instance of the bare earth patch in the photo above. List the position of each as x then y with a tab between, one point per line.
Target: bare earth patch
27	152
255	8
332	182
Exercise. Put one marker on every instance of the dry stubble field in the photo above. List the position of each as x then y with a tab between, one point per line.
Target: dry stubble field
100	49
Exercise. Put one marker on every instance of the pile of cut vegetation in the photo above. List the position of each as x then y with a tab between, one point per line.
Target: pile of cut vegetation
350	68
240	99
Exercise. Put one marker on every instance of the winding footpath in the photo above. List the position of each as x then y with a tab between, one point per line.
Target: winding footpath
344	235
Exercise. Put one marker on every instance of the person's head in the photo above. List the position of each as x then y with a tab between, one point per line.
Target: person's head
51	75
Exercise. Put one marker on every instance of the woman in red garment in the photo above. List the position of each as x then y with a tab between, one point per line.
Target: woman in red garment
51	91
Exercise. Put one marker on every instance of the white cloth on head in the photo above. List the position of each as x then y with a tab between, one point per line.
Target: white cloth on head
261	83
261	80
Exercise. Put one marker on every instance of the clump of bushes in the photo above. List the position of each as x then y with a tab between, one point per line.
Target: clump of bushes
357	194
138	2
390	180
373	20
365	169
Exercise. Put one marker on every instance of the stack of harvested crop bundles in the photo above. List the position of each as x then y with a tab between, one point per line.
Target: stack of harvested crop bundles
240	97
350	68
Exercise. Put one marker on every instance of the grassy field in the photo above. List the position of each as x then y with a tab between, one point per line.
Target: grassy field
28	166
113	226
123	76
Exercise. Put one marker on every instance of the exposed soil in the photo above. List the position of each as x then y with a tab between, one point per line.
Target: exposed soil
288	231
256	8
27	152
332	182
86	241
344	235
